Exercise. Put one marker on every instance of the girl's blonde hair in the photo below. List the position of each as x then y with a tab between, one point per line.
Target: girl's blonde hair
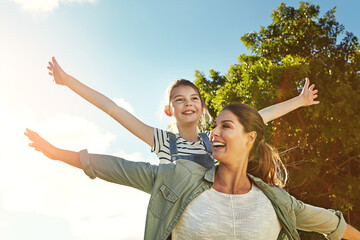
205	117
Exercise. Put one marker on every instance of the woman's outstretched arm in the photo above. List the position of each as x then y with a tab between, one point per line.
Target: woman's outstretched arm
126	119
52	152
140	175
351	233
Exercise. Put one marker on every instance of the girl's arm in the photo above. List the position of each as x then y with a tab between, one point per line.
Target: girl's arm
351	233
127	120
54	153
306	98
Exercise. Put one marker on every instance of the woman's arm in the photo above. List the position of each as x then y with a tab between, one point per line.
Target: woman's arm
127	120
316	219
306	98
351	233
52	152
140	175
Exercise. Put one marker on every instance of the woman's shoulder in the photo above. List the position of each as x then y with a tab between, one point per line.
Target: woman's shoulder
273	192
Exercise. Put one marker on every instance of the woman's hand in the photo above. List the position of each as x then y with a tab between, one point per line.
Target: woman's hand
308	94
39	144
60	76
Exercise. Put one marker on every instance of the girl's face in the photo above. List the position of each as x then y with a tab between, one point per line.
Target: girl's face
229	140
185	105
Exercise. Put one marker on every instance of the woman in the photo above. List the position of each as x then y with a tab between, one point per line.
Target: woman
241	198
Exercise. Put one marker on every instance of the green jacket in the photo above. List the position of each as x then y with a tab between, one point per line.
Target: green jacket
174	186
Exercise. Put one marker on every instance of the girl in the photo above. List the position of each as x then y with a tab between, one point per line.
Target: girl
240	198
185	105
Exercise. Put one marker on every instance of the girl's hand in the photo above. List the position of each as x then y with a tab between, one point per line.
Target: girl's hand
60	76
308	94
39	144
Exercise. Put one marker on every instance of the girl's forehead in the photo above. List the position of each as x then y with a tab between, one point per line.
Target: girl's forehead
183	90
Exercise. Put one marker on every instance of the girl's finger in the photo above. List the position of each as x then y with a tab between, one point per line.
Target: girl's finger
315	96
54	61
315	91
312	87
51	74
307	82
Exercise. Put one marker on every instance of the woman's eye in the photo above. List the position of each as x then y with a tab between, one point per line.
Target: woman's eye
225	126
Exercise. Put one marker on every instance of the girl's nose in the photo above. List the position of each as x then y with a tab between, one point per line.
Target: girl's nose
187	103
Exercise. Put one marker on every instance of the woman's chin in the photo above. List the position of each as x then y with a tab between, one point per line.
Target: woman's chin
218	156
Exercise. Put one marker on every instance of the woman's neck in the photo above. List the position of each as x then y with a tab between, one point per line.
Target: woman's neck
232	180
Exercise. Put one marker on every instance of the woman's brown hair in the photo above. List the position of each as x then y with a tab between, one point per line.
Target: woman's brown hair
264	161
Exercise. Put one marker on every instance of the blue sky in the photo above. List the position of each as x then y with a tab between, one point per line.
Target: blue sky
128	50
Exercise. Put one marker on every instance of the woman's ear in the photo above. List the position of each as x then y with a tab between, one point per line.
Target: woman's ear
167	111
252	137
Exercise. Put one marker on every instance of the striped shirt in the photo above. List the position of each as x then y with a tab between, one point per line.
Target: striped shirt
162	146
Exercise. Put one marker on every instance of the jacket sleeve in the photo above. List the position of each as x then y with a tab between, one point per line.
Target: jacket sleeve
326	221
140	175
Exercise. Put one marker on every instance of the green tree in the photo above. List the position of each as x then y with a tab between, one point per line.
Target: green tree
319	144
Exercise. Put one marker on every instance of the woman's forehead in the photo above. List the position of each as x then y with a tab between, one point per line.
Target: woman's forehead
226	115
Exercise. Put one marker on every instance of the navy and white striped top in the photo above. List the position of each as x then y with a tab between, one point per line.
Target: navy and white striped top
162	146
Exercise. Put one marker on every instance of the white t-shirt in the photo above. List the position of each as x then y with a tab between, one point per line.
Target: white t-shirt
162	146
215	215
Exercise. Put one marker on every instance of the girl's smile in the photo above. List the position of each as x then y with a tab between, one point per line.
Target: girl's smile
185	105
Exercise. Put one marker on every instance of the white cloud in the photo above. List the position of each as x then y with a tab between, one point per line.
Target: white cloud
3	223
136	157
32	184
44	5
75	133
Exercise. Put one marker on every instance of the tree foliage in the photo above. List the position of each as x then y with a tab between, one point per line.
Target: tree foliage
319	144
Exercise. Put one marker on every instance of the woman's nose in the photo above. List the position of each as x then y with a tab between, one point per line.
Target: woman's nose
214	132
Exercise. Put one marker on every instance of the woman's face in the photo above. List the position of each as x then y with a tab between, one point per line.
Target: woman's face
229	140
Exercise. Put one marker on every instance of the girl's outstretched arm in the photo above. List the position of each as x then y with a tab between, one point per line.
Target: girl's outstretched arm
306	98
54	153
127	120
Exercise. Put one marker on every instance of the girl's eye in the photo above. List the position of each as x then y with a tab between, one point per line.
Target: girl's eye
195	98
178	100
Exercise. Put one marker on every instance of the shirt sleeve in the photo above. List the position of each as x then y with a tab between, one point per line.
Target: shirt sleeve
326	221
160	137
140	175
